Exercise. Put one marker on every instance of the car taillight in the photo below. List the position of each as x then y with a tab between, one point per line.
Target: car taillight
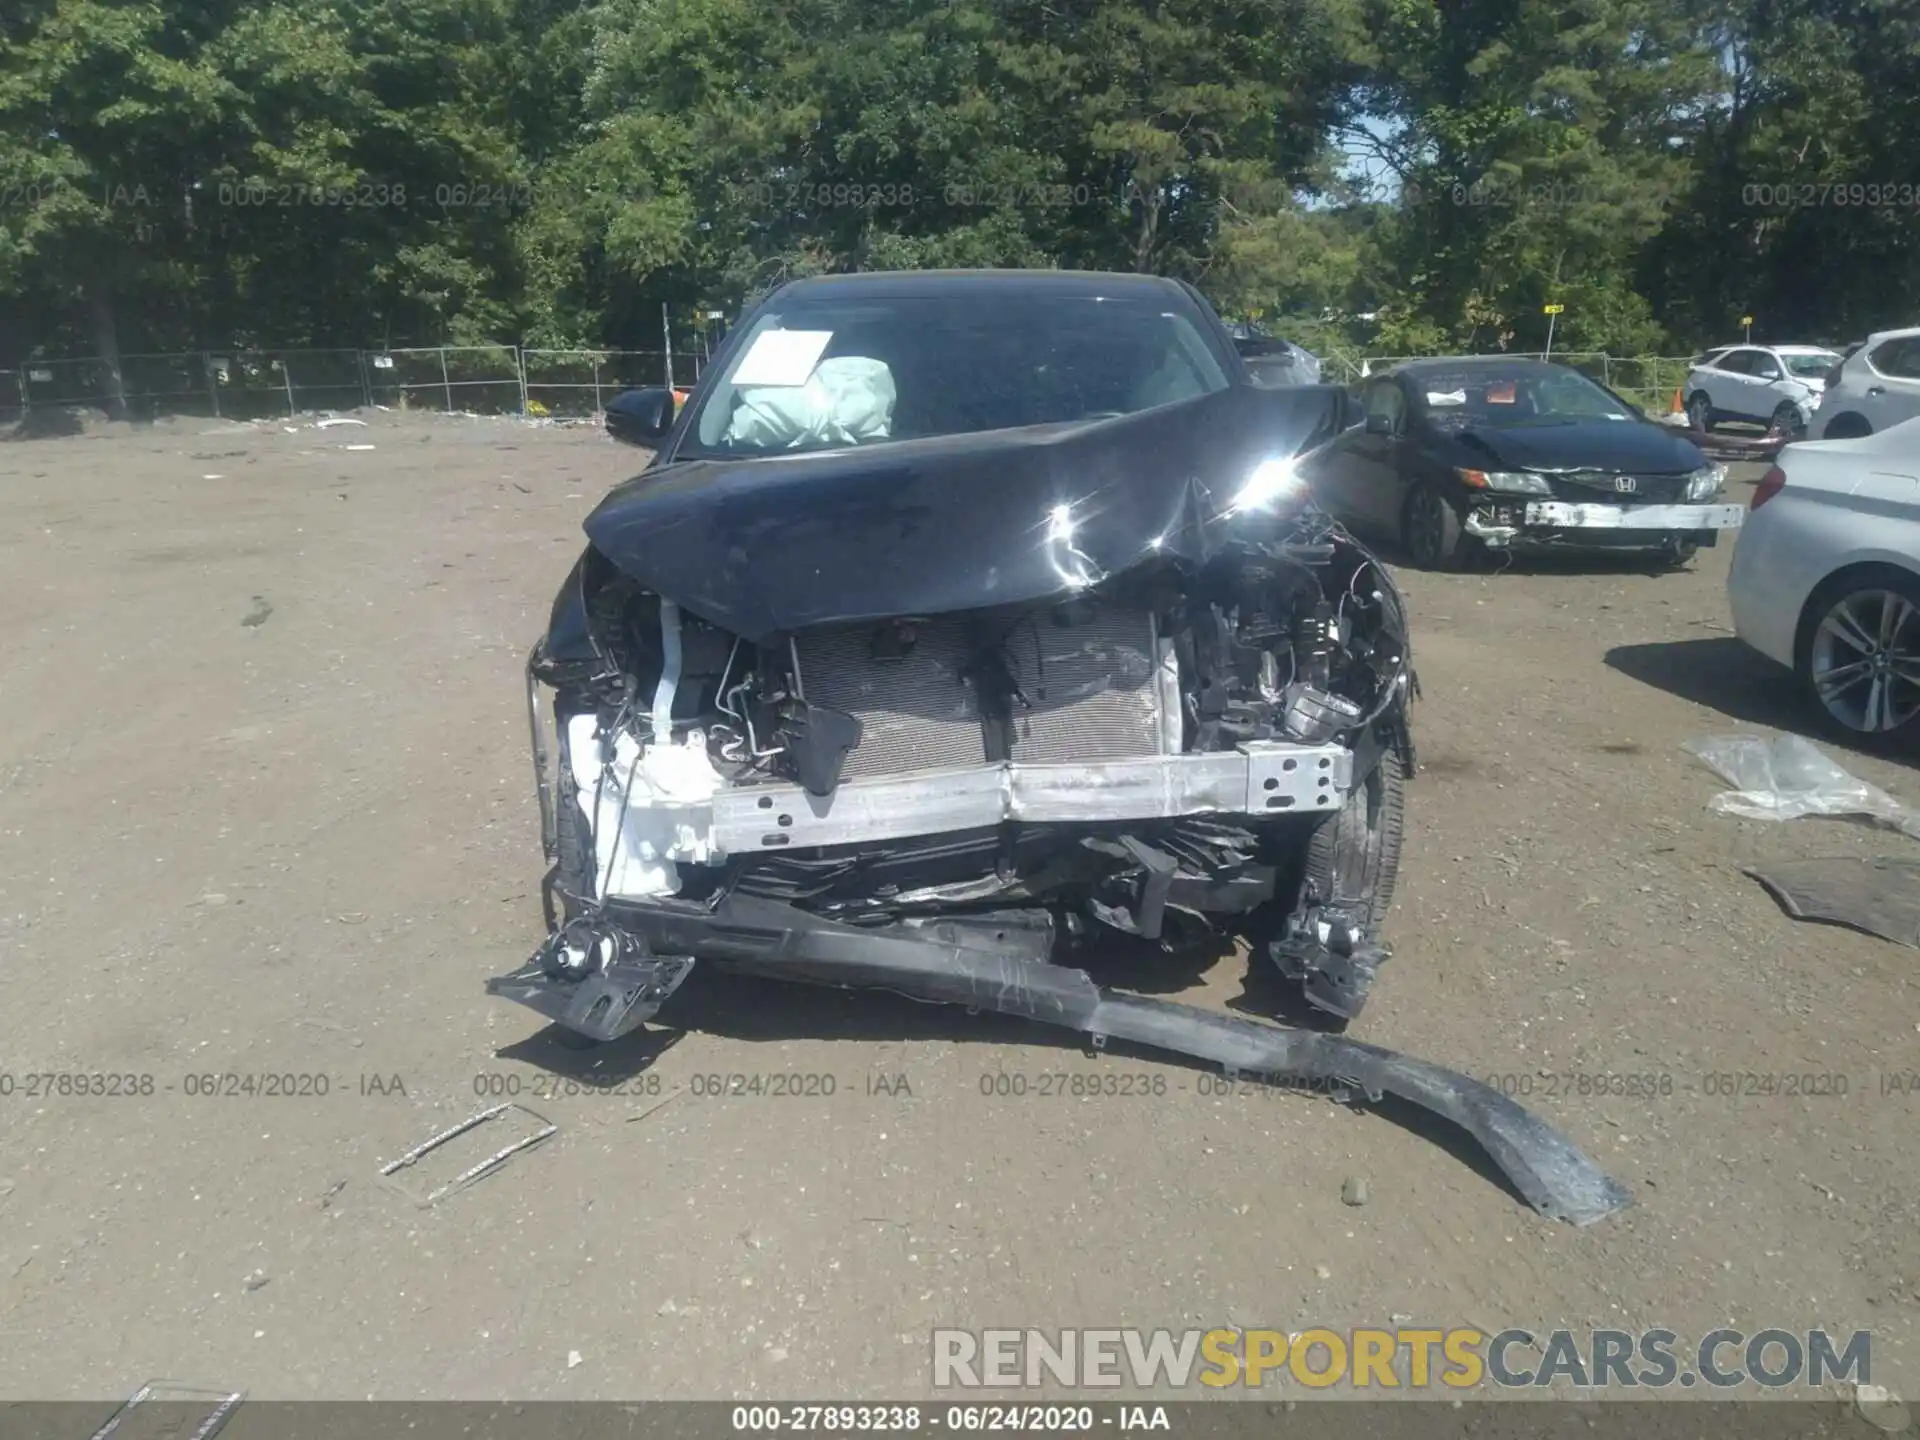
1771	484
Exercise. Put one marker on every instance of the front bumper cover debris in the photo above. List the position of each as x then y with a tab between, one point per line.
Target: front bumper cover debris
595	979
973	967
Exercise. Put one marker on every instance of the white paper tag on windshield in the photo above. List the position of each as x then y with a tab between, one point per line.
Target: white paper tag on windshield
1446	397
782	357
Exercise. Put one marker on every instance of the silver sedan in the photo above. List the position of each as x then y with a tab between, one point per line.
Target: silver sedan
1826	579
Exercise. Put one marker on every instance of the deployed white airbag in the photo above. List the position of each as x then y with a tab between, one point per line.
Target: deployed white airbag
844	401
647	807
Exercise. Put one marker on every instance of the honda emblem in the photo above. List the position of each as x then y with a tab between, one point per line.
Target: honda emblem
1625	484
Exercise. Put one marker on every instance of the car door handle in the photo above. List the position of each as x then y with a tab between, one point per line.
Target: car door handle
1876	389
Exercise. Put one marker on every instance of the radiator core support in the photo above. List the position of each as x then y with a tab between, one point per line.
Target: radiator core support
1078	683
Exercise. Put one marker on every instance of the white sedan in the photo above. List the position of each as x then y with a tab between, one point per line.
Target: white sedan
1826	576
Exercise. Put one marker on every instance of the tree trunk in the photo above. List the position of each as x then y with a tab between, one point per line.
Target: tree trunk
1148	232
106	348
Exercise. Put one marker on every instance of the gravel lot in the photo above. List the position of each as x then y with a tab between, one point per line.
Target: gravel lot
297	846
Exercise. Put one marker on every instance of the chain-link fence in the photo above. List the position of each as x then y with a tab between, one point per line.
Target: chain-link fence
478	379
1650	381
508	380
579	382
254	384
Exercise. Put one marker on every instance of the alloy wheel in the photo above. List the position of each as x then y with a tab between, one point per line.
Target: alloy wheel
1865	661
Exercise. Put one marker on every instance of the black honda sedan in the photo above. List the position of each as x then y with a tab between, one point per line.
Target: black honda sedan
1459	457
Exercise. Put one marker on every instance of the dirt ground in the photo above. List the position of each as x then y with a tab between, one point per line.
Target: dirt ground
266	809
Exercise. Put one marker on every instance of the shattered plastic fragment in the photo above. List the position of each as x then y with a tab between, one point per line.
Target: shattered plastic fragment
1880	896
1787	777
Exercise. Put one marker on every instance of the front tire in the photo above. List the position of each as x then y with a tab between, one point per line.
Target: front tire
1330	942
1700	412
1788	421
1432	531
1847	426
1858	653
1353	857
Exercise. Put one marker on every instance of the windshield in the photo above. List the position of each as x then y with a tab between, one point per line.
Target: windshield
1811	367
1493	399
825	373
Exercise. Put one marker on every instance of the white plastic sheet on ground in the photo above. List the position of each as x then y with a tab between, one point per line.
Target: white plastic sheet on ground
1787	777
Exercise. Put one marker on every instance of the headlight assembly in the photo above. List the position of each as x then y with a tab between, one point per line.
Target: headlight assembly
1706	482
1511	482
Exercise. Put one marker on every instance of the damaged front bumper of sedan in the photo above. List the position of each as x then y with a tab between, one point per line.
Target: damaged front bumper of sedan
1586	524
1593	509
971	703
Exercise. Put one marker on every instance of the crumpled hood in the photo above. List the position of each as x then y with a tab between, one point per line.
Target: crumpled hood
925	527
1624	445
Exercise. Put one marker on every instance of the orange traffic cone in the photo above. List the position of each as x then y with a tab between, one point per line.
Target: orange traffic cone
1677	408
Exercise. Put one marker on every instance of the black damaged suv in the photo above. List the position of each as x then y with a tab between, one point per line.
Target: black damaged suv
962	617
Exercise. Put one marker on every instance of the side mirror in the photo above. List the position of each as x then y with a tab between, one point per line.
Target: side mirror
641	417
1379	424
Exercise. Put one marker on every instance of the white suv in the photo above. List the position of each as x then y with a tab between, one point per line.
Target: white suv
1876	386
1774	385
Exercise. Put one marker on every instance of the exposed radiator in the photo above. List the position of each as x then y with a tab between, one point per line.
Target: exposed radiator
916	712
1089	684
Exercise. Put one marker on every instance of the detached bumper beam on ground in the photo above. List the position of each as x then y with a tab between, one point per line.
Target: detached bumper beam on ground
951	964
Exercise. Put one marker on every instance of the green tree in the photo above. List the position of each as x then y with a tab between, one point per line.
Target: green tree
1541	145
1806	193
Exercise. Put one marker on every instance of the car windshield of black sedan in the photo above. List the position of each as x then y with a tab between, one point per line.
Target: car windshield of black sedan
831	373
1491	399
